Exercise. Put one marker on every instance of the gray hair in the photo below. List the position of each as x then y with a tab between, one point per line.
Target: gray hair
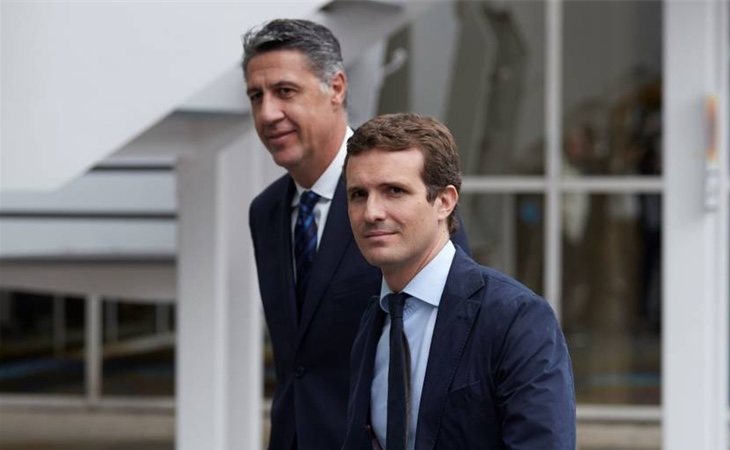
315	41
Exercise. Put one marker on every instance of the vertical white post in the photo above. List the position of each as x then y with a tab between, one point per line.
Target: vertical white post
553	132
200	365
219	317
695	242
93	353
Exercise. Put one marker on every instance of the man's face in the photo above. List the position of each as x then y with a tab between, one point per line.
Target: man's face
293	110
394	225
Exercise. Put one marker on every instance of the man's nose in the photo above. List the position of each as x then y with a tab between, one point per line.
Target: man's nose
374	209
270	110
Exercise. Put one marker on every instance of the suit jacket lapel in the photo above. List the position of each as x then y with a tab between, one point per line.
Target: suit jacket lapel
456	315
337	236
363	354
283	236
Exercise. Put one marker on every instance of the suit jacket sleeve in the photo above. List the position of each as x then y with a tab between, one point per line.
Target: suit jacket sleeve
534	380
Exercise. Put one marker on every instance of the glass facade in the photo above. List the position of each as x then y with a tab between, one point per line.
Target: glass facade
44	339
612	87
506	232
479	68
612	295
139	349
41	344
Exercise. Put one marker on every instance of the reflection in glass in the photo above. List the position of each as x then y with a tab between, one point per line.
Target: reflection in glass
611	300
269	369
479	66
41	344
506	232
139	349
612	92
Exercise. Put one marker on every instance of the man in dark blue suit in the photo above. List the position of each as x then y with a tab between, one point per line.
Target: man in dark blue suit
314	282
451	355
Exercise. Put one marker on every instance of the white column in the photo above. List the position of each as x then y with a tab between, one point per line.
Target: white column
219	362
695	241
93	349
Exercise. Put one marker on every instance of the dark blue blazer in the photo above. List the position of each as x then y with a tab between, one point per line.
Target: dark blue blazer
498	376
312	354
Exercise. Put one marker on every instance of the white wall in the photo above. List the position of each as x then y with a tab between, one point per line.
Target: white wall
79	80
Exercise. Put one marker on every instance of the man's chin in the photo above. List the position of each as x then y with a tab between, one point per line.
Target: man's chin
284	157
380	259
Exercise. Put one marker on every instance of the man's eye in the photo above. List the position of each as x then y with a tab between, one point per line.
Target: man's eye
254	97
396	190
355	195
286	92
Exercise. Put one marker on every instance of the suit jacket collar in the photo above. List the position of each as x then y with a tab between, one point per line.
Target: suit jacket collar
456	316
364	347
283	236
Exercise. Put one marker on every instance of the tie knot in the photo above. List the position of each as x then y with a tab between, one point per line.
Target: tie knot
396	302
308	200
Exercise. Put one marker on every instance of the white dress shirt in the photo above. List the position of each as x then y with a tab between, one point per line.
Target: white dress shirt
325	187
419	318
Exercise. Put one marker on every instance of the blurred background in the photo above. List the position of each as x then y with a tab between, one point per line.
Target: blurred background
593	137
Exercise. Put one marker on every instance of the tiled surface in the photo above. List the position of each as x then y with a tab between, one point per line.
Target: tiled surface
59	429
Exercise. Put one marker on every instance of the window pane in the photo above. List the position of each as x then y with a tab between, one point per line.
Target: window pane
506	233
612	93
479	66
41	344
612	295
139	349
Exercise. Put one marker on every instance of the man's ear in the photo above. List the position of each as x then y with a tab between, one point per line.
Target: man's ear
448	198
338	86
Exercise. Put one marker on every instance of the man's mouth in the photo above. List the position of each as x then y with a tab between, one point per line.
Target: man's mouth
275	136
374	234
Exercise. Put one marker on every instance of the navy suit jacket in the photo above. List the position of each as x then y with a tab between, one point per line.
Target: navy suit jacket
498	376
311	354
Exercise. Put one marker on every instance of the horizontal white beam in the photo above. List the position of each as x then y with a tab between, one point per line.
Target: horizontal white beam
103	191
607	184
143	282
23	238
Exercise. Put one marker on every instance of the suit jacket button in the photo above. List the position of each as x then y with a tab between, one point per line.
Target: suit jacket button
299	372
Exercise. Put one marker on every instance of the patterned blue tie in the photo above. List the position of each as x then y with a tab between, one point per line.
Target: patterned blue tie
305	243
399	379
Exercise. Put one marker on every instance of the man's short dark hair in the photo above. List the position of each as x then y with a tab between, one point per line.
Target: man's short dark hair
315	41
404	131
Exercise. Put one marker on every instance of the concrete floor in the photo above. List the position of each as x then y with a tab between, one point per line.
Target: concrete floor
68	429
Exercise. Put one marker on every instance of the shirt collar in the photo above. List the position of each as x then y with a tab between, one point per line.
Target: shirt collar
428	284
326	184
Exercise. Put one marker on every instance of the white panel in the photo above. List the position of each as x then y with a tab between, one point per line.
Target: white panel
80	79
695	241
67	238
152	282
101	192
219	359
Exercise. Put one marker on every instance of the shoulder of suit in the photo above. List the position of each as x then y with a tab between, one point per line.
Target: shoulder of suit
500	289
274	193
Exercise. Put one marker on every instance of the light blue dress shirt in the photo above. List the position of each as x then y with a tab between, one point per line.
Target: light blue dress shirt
419	318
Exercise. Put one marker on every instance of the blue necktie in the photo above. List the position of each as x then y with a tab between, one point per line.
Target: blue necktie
305	243
398	376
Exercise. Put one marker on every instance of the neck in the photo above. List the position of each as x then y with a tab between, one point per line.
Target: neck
399	277
308	172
